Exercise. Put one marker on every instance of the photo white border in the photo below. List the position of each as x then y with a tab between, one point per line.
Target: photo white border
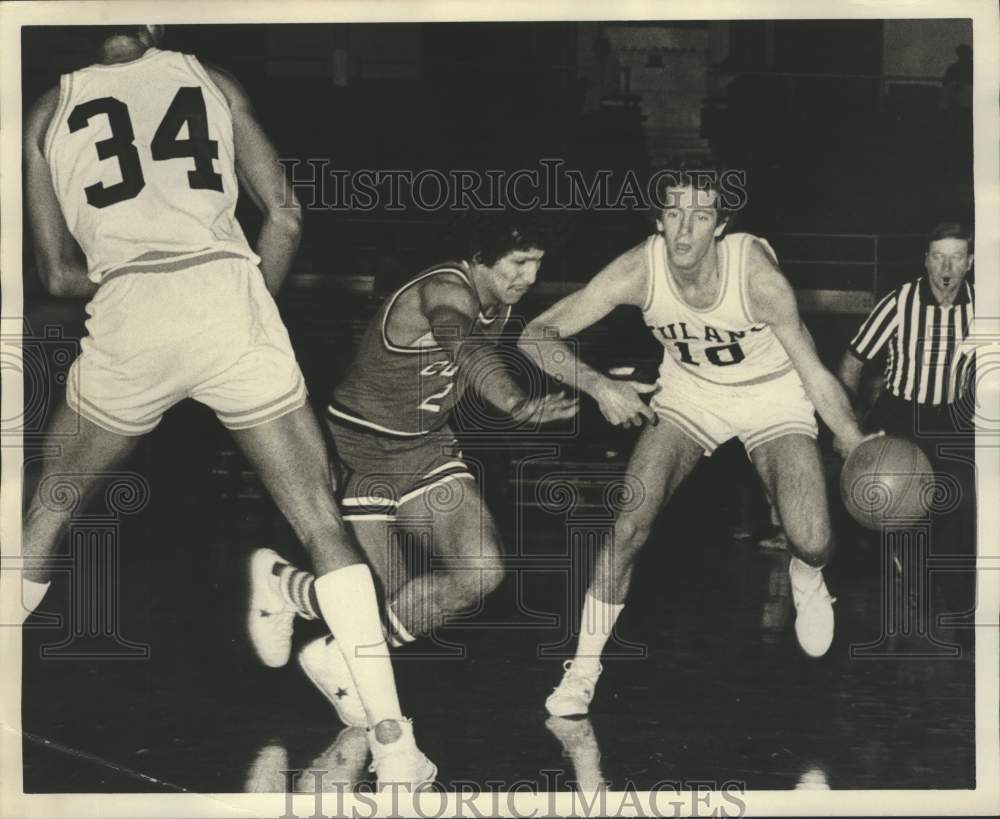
984	800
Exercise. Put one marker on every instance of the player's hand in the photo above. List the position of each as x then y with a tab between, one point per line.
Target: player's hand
547	408
845	446
621	403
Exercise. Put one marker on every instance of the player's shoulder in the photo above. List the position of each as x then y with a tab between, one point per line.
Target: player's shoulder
755	251
40	116
635	258
768	289
759	261
447	285
623	281
230	87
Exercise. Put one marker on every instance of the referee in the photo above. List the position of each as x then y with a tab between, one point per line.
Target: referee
925	393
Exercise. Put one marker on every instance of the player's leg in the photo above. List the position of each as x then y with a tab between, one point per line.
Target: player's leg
68	479
321	659
368	503
465	545
792	471
664	456
382	544
290	456
463	540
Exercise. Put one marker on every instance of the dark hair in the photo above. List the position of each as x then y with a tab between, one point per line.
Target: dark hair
96	36
487	236
698	172
951	230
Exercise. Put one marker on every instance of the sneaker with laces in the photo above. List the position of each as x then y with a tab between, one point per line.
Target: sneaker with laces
324	664
813	608
573	694
400	763
270	619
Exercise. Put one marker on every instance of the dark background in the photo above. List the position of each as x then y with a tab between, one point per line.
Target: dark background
831	141
847	165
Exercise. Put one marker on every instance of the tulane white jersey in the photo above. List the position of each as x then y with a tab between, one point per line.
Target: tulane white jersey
722	344
142	160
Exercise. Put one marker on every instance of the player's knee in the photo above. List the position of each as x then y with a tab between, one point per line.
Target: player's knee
492	576
813	541
42	525
471	587
630	534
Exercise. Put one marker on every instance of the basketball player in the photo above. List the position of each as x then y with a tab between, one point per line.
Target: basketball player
737	362
432	339
131	174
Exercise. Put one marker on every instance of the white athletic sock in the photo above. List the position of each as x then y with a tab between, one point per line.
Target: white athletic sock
596	624
31	596
349	606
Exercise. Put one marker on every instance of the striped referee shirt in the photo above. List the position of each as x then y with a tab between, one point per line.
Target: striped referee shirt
922	338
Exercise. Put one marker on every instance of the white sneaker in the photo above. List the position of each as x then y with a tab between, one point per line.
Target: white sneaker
813	607
573	694
400	763
324	664
270	619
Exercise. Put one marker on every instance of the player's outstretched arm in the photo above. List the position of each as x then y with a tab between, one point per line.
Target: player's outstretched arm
772	301
62	266
264	180
864	390
452	311
623	282
850	372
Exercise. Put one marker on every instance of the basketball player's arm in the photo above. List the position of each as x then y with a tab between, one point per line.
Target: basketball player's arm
864	392
622	282
263	179
452	312
772	301
62	266
850	372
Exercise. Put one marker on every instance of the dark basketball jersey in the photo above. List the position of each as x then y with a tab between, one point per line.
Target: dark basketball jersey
404	391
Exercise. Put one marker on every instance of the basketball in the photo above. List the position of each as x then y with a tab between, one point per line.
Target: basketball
886	480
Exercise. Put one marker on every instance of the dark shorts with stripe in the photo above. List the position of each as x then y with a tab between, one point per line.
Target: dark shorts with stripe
380	473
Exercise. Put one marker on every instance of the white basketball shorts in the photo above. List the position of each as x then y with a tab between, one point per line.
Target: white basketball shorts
210	332
755	413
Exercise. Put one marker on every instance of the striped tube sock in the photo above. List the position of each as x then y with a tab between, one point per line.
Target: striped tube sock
297	587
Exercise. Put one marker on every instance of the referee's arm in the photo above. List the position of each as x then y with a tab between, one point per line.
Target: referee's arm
870	340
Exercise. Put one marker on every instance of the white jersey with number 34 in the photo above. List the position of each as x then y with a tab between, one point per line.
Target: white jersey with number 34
142	161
